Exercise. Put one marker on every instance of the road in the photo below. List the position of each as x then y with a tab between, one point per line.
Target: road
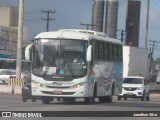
13	103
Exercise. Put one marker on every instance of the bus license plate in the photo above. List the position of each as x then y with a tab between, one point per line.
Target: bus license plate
57	92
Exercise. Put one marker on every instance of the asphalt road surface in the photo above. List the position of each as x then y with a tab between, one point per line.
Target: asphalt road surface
13	103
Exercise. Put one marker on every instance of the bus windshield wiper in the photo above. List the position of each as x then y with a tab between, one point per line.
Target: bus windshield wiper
70	70
45	72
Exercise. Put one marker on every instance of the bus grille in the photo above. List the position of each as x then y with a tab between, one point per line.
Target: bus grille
57	86
63	93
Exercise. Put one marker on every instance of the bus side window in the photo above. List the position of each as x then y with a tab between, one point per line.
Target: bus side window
106	51
119	53
96	55
111	52
92	43
101	50
115	53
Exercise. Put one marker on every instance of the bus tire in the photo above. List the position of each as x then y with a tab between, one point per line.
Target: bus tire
65	100
101	100
24	99
33	99
109	98
125	98
71	100
118	98
89	100
46	100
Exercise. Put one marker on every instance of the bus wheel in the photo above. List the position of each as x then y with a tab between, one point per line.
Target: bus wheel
71	100
101	100
118	98
65	100
46	100
24	99
109	99
33	99
125	98
89	100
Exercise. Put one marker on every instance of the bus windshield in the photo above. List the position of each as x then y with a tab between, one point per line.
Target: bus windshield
53	58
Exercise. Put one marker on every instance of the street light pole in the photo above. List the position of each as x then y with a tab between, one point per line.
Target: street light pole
147	22
20	39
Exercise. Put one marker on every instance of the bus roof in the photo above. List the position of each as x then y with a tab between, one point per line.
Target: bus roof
77	34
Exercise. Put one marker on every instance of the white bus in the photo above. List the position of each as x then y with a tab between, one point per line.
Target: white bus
56	72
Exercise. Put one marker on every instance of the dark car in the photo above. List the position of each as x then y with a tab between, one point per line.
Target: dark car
26	92
3	82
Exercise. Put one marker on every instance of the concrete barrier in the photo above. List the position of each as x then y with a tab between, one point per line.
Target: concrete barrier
6	89
17	90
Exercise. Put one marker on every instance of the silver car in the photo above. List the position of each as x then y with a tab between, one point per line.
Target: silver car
5	74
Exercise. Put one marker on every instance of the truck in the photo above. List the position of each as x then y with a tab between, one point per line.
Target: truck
135	73
135	61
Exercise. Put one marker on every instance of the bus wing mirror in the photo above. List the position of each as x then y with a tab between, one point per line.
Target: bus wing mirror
89	53
28	52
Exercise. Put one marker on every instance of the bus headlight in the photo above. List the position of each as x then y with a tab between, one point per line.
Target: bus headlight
38	84
78	85
140	88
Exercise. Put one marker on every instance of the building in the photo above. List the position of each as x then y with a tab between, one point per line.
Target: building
97	15
111	18
9	16
104	16
8	42
133	23
9	32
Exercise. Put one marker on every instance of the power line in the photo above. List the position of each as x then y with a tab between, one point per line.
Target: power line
27	12
87	25
153	48
31	20
48	17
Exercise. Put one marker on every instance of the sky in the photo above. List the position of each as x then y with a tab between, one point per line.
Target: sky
71	13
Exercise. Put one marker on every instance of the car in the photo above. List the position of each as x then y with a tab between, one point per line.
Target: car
2	82
158	78
5	74
135	87
26	92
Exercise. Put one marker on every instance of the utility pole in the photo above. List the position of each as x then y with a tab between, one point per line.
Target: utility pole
122	34
153	47
126	20
147	22
87	25
151	52
20	39
48	17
